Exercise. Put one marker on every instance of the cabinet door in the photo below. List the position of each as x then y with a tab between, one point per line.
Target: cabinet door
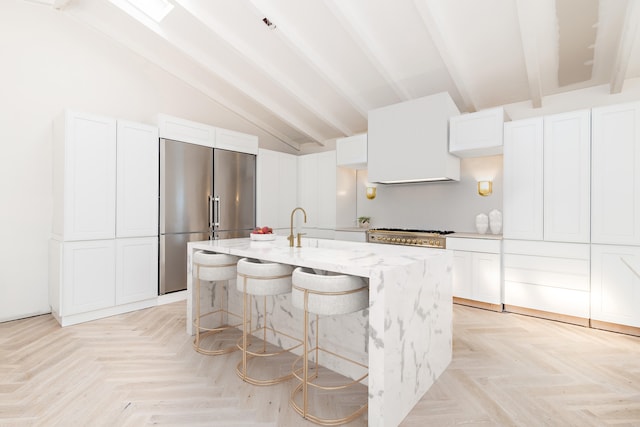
137	180
615	174
461	275
477	134
523	167
485	272
268	189
352	151
326	193
89	177
615	284
288	185
136	269
236	141
567	139
88	276
308	188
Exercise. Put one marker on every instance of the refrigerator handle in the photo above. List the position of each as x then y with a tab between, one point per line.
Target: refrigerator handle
216	222
210	212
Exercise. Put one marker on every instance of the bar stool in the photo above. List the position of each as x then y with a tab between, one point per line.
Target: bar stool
324	294
260	278
213	267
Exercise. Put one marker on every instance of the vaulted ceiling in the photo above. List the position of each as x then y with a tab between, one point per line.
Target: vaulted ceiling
307	71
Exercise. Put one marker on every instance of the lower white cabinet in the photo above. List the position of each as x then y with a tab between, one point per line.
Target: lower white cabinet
99	278
351	235
547	277
476	269
615	284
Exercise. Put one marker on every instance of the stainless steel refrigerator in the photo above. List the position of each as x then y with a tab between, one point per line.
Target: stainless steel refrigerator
205	193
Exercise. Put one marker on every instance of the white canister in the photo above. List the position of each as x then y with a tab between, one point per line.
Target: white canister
482	223
495	221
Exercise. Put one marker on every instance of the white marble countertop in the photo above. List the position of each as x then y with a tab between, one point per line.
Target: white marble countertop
354	258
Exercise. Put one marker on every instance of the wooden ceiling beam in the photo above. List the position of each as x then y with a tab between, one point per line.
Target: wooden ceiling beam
359	34
434	25
625	46
528	35
310	56
279	78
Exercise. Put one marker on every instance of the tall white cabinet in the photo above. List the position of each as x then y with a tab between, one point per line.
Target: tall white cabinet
546	216
615	218
103	253
277	189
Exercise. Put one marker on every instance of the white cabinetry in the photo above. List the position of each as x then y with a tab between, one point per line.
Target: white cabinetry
277	189
523	185
615	215
477	134
352	151
105	186
235	141
186	131
547	279
317	193
476	271
615	284
136	269
137	180
567	140
84	177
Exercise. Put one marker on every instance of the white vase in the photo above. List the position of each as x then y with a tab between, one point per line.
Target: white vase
482	223
495	221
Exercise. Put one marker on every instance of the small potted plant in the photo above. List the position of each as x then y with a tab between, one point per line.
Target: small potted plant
363	221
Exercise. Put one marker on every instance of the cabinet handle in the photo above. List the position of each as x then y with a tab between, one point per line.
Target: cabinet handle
210	199
633	270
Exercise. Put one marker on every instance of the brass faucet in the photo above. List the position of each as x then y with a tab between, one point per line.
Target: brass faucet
291	238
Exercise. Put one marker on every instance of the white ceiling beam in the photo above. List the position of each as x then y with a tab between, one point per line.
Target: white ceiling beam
309	55
528	35
250	54
97	22
434	25
627	38
359	34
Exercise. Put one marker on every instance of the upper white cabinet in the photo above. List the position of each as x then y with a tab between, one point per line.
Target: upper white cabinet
477	134
137	180
84	177
317	190
236	141
615	175
352	151
567	150
186	131
277	188
408	142
523	184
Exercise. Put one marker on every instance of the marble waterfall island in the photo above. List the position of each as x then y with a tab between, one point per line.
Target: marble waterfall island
405	336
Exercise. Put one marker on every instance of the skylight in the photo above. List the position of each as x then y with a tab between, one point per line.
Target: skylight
154	9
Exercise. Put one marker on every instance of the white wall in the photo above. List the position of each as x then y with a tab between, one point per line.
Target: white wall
436	205
51	62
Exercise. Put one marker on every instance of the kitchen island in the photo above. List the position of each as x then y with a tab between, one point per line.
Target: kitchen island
405	336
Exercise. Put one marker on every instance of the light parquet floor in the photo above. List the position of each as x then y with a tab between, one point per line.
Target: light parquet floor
139	369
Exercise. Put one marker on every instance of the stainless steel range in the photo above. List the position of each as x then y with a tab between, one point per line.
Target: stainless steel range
408	237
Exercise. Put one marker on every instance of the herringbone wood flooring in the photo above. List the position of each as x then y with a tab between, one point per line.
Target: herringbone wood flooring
139	368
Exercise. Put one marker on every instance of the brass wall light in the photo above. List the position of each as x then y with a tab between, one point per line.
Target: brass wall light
370	191
485	188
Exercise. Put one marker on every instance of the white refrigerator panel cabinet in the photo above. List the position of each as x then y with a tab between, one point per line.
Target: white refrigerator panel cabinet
615	284
137	180
523	185
567	152
84	177
615	175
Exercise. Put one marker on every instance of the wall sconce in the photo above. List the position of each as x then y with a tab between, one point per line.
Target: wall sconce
371	191
485	188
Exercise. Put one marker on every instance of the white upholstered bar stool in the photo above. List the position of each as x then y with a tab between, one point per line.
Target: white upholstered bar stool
258	278
213	267
326	294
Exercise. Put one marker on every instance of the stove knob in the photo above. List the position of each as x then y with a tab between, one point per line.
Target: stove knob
431	242
414	241
404	240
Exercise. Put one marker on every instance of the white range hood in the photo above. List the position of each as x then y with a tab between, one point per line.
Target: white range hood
408	142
